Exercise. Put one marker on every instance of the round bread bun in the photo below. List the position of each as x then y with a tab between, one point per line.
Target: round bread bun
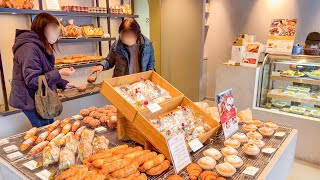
207	162
226	169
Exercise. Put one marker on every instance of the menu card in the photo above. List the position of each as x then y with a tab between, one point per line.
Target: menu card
179	152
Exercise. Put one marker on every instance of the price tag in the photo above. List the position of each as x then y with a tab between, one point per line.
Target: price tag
53	5
77	117
10	149
280	134
268	150
154	107
100	129
32	165
4	141
179	153
44	174
195	145
15	156
250	170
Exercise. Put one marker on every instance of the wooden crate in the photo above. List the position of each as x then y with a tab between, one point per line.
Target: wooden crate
158	140
128	110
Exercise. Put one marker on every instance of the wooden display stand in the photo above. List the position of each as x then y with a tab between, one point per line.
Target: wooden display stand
134	123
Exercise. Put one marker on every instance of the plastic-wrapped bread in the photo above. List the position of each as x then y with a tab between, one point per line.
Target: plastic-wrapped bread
50	154
152	163
38	148
66	128
114	166
27	143
85	150
54	125
42	137
30	133
67	159
100	143
126	171
65	122
87	135
79	132
159	169
72	143
75	125
57	139
53	134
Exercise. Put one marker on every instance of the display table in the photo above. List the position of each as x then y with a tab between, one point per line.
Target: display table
278	166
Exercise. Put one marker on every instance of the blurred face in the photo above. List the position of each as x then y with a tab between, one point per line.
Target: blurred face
52	33
128	38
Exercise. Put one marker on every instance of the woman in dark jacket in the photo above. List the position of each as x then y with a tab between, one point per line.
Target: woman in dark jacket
131	53
33	56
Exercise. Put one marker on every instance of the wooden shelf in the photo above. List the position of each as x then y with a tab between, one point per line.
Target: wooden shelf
291	98
62	13
73	40
303	80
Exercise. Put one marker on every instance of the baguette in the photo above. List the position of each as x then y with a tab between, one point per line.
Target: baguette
132	176
159	169
81	174
142	176
99	162
128	150
27	143
54	125
68	173
152	163
114	166
126	171
121	147
136	154
100	155
30	133
142	159
42	137
91	175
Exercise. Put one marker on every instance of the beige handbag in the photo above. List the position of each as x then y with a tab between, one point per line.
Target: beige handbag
47	102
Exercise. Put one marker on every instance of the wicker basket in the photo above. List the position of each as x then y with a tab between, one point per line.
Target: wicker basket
312	52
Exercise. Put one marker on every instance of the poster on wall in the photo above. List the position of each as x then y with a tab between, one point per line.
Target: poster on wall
281	36
227	112
251	54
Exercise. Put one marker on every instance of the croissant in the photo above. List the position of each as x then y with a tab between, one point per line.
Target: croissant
208	175
115	165
136	154
159	169
126	171
152	163
99	162
194	171
142	159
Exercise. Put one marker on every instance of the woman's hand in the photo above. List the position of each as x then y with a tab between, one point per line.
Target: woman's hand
98	69
70	86
67	71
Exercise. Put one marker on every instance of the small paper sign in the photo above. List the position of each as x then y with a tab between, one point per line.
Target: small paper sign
100	129
4	141
15	156
53	5
179	153
32	165
77	117
280	134
10	149
251	171
154	107
44	174
268	150
195	145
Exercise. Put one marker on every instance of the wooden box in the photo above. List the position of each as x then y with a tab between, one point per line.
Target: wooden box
128	110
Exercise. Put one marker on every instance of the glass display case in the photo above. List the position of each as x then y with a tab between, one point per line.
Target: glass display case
290	83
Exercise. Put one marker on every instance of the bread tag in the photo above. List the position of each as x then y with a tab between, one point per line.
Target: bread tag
195	145
100	129
77	117
15	156
44	174
154	107
250	170
268	150
32	165
280	134
10	149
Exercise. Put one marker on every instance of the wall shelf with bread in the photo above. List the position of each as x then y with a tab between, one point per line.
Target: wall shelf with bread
77	61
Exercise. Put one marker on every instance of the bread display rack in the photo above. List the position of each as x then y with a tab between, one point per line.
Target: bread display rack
133	123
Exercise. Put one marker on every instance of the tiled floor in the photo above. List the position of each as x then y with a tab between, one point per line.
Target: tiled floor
305	171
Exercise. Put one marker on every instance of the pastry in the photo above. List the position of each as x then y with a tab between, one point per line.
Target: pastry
249	127
241	137
85	112
232	142
126	171
251	149
53	134
257	142
266	131
207	175
38	148
27	143
54	125
92	108
145	157
213	153
114	166
228	150
65	122
271	125
175	177
159	169
66	128
221	178
257	122
254	135
99	162
75	126
207	162
42	137
81	88
226	169
234	160
245	116
32	132
194	171
136	154
112	122
152	163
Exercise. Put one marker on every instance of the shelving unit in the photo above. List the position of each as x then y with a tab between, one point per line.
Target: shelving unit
295	99
303	80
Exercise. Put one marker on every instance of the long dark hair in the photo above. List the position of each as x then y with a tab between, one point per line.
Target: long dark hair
38	25
130	25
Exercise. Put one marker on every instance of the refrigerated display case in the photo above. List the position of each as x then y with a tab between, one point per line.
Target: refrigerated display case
290	83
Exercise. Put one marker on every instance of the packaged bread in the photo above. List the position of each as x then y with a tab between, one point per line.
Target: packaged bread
38	148
50	154
54	125
87	135
79	132
159	169
100	143
72	143
27	143
42	136
65	122
245	115
67	158
53	134
85	150
75	125
66	128
30	133
57	139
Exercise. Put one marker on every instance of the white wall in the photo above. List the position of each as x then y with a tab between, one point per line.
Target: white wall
141	8
229	18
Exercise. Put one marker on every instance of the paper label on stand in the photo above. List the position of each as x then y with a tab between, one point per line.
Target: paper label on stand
195	145
15	156
32	165
77	117
4	141
280	134
10	149
268	150
154	107
179	153
52	5
44	174
251	171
